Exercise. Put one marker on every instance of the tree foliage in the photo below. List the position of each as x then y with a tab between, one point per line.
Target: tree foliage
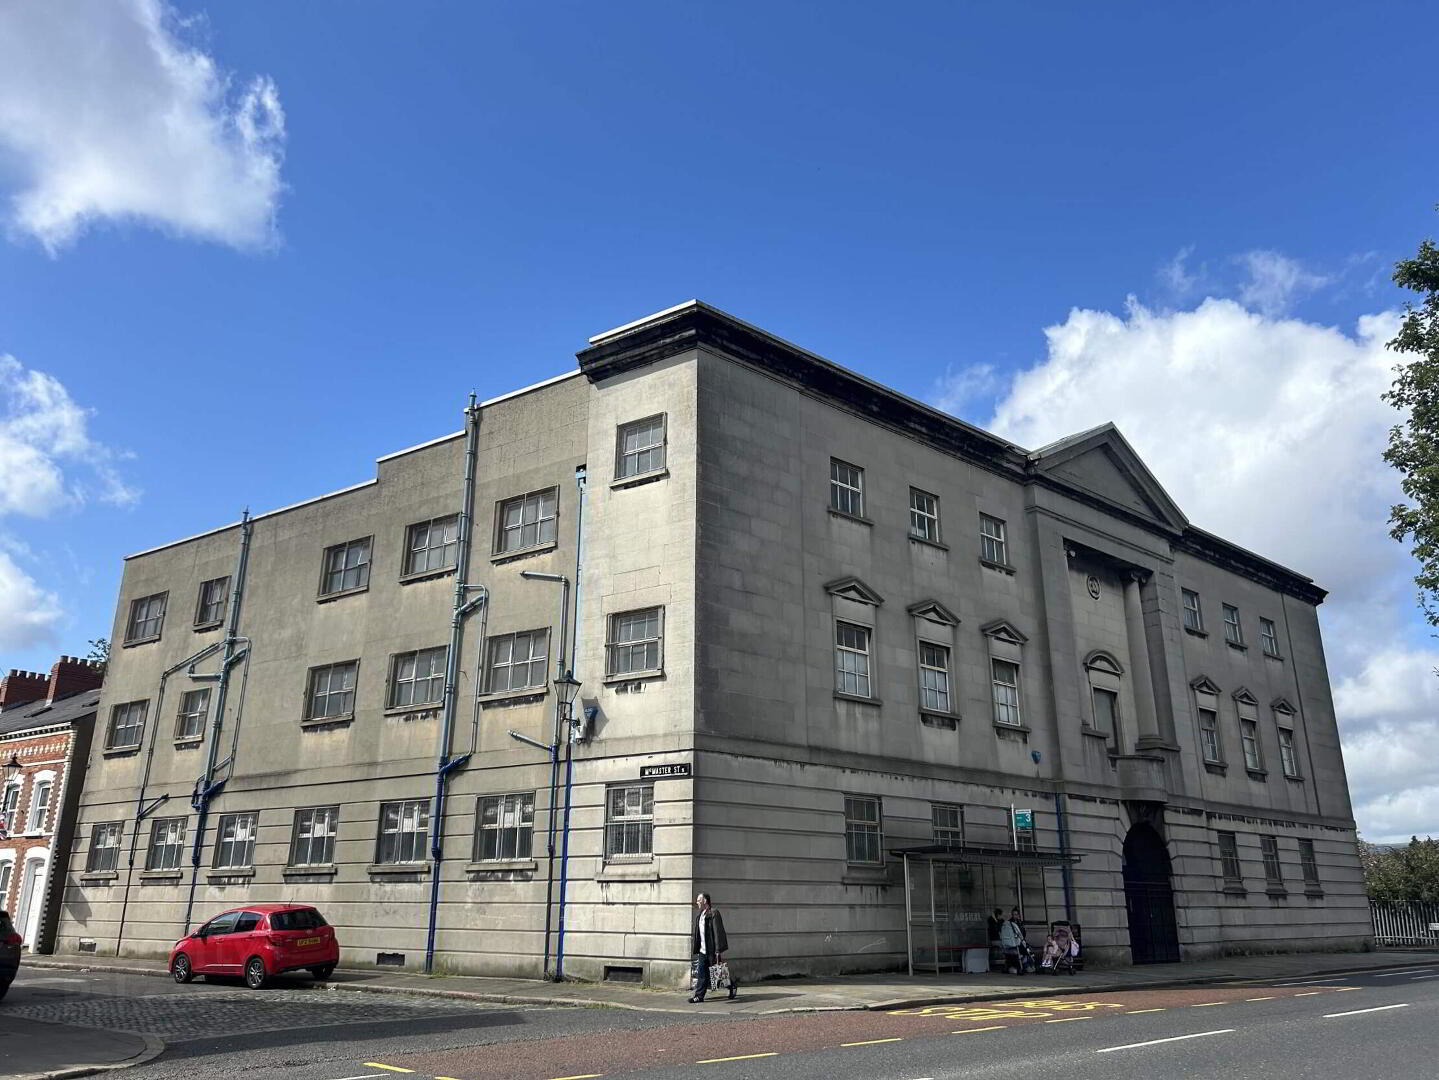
1414	443
99	650
1406	872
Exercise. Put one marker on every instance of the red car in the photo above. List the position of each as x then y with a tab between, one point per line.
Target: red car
256	942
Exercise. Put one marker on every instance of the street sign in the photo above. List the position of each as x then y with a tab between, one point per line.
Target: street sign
660	772
1024	819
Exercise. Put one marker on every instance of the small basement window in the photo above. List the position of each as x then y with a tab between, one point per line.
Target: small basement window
390	959
624	974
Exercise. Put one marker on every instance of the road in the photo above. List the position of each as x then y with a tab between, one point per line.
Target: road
1378	1025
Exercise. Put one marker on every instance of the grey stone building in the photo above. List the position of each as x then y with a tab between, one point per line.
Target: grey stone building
861	670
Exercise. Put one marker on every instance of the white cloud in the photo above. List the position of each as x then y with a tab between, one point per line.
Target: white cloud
957	392
111	115
1269	431
48	462
1276	281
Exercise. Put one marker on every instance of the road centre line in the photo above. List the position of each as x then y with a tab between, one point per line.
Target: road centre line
1269	998
976	1031
1136	1012
871	1042
1310	993
1206	1004
578	1076
387	1068
1356	1012
1417	978
1156	1042
1407	971
1067	1019
362	1076
737	1057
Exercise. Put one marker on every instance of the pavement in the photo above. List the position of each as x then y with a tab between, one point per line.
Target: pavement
846	992
74	1019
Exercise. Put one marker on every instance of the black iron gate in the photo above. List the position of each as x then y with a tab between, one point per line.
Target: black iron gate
1149	898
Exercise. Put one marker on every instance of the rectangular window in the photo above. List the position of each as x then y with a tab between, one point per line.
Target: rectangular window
1307	862
1229	859
641	447
332	690
39	805
127	725
993	544
1286	752
634	641
8	804
235	840
190	721
1004	678
851	659
948	822
346	567
527	521
1106	713
167	844
863	836
147	617
104	854
1249	737
1209	735
213	598
312	837
630	822
1193	616
1269	637
404	831
418	678
518	661
1233	633
846	488
933	677
432	545
1273	872
923	515
507	826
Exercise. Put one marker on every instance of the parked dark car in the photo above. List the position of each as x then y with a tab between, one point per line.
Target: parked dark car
9	952
256	942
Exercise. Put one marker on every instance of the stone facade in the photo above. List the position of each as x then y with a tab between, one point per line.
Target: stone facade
708	589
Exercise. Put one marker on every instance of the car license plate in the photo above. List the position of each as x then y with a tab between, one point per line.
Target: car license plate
305	941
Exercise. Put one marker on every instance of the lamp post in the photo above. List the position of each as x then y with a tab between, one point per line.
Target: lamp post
566	689
12	767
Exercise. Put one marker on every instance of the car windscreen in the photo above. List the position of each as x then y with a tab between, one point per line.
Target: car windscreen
299	919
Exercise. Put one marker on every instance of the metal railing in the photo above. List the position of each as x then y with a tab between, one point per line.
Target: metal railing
1405	922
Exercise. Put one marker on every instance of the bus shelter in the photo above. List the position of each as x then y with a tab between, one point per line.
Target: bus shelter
949	893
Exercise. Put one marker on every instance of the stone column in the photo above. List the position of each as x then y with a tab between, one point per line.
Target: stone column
1140	676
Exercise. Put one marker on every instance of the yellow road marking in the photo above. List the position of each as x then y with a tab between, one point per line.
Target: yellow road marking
975	1031
1136	1012
871	1042
1067	1019
388	1068
447	1078
737	1057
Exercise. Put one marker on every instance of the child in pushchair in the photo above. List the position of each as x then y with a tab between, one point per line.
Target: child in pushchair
1061	951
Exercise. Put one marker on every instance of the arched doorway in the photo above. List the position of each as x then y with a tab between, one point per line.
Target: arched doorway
1149	897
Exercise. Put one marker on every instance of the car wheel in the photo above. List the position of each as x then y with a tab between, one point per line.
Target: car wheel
255	975
181	970
323	972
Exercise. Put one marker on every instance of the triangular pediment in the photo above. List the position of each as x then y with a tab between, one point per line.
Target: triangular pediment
934	611
851	588
1204	685
1003	630
1101	464
1282	705
1244	697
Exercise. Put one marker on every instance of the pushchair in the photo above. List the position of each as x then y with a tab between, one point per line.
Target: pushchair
1061	951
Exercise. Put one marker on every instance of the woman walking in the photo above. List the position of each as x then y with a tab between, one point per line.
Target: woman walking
708	944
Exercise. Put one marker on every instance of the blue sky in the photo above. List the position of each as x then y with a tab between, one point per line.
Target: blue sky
381	206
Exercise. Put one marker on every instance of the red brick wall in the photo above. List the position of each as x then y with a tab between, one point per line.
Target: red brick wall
39	753
21	686
70	675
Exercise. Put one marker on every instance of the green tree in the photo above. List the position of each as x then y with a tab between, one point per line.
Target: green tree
1407	872
100	650
1414	443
